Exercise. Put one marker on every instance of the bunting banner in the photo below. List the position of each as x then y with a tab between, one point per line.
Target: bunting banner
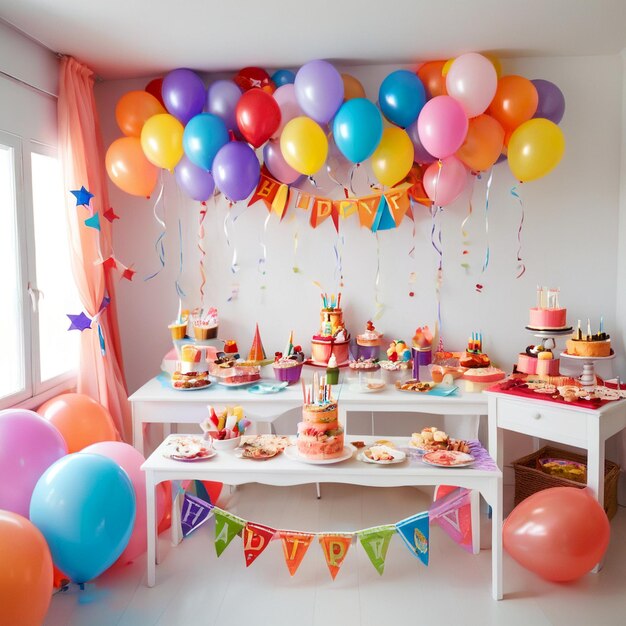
375	542
256	537
295	546
266	190
414	533
335	547
227	526
452	512
322	209
194	513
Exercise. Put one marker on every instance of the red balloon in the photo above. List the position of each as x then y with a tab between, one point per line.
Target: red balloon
559	534
258	116
154	88
251	77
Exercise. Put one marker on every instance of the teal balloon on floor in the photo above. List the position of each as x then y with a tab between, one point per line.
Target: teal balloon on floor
84	505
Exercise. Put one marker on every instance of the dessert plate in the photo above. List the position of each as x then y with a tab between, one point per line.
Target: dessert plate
293	454
236	385
443	390
367	387
445	458
188	449
200	457
588	358
397	456
263	388
192	388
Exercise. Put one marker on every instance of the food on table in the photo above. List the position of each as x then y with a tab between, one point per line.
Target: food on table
431	438
423	338
230	348
288	364
448	458
474	360
178	328
190	447
263	446
332	338
192	371
399	363
229	423
590	344
415	385
229	371
446	374
538	360
478	379
547	315
320	436
385	442
375	384
371	337
364	365
190	380
383	454
204	323
358	444
564	468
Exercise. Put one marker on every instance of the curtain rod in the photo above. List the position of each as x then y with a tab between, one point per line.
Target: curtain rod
29	85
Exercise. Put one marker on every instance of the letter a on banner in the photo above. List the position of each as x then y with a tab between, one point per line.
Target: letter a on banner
335	547
256	538
194	513
266	190
295	546
452	512
226	527
375	542
414	533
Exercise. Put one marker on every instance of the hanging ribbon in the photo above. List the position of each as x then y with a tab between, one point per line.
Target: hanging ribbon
487	248
352	173
179	290
234	266
334	179
338	249
295	268
412	274
379	305
159	245
466	242
202	250
521	267
436	242
263	257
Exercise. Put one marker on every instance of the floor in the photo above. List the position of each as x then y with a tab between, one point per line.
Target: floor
195	588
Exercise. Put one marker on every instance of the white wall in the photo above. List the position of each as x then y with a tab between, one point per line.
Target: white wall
569	240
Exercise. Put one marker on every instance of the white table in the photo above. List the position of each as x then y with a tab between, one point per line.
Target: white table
226	467
156	403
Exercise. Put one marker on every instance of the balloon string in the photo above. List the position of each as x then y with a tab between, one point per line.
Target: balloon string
521	266
159	243
263	257
487	249
439	168
203	210
413	273
379	305
234	266
294	267
464	233
179	290
338	249
352	173
437	244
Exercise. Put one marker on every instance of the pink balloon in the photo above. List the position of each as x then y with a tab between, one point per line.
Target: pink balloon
442	126
445	185
130	460
285	97
275	162
472	80
338	167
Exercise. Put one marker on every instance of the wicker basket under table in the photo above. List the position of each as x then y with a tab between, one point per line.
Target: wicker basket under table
529	479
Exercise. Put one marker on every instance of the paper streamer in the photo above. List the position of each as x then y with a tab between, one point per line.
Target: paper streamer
412	274
466	242
436	242
263	258
203	210
338	249
179	290
294	267
487	248
380	307
521	267
159	243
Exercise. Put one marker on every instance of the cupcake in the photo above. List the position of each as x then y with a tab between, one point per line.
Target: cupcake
205	324
371	337
288	365
399	366
178	329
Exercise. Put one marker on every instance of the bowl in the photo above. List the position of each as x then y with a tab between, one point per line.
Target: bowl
226	444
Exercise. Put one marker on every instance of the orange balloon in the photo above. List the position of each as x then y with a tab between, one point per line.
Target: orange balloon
431	74
133	109
26	572
515	101
352	87
80	420
483	143
128	167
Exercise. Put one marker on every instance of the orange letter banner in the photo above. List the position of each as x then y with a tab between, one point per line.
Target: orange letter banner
295	546
323	208
335	547
368	208
345	208
279	204
266	190
398	202
256	538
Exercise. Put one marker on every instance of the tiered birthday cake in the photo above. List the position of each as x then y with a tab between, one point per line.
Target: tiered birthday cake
333	338
547	315
320	436
590	345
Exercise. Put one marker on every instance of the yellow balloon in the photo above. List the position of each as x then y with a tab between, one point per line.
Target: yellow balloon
446	68
304	145
535	148
393	158
495	61
162	140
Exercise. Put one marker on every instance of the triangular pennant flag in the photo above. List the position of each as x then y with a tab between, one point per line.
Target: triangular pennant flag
266	190
375	542
383	219
452	512
257	351
295	546
93	221
279	204
416	189
414	533
194	513
367	210
227	526
128	273
335	547
111	215
256	538
109	264
398	203
345	208
322	209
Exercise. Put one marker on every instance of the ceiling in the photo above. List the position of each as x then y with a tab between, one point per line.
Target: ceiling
133	38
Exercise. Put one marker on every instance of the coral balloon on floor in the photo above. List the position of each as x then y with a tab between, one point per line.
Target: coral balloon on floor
559	534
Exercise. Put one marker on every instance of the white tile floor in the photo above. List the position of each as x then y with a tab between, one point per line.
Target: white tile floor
195	588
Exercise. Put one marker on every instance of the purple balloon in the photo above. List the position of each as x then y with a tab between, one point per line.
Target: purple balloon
551	104
421	154
184	94
275	162
222	99
196	182
319	90
29	445
236	170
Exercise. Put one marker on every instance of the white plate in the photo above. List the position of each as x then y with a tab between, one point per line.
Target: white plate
234	385
263	388
464	459
356	388
292	453
589	358
192	388
400	457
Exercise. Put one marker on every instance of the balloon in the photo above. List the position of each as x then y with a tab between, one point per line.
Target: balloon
432	78
551	105
495	61
236	170
421	154
535	148
338	168
285	97
130	460
401	97
196	182
84	505
184	94
357	129
222	99
352	87
162	140
258	116
304	145
472	80
29	445
559	534
154	88
203	136
80	420
128	167
483	144
442	126
250	77
515	101
319	90
283	77
133	109
276	164
26	572
393	158
446	183
446	67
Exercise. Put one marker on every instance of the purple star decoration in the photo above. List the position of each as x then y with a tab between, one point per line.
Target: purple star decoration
79	322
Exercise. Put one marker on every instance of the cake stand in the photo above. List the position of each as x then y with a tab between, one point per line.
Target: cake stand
588	376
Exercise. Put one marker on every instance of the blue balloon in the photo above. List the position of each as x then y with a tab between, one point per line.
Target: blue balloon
283	77
357	129
204	135
401	97
84	505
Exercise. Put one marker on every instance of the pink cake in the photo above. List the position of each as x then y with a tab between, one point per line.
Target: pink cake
539	363
320	435
332	338
547	319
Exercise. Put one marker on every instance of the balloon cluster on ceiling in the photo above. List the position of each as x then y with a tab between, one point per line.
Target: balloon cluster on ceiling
451	118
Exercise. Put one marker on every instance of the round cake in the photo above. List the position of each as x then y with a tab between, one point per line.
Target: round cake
320	436
332	338
547	319
593	348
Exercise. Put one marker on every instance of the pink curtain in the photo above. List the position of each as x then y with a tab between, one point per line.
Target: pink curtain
80	143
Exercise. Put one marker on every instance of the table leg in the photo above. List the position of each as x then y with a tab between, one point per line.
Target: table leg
176	533
475	513
595	468
496	541
137	429
151	529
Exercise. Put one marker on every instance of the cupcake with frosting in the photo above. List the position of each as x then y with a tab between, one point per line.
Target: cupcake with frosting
288	364
205	324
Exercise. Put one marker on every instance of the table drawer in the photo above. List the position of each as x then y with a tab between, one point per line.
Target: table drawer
537	420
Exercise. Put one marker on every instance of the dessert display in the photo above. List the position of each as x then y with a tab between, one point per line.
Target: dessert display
230	348
539	360
228	424
590	345
178	328
332	338
446	374
547	315
474	356
368	343
381	454
229	371
431	439
192	371
263	447
364	365
288	364
399	363
445	458
204	323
